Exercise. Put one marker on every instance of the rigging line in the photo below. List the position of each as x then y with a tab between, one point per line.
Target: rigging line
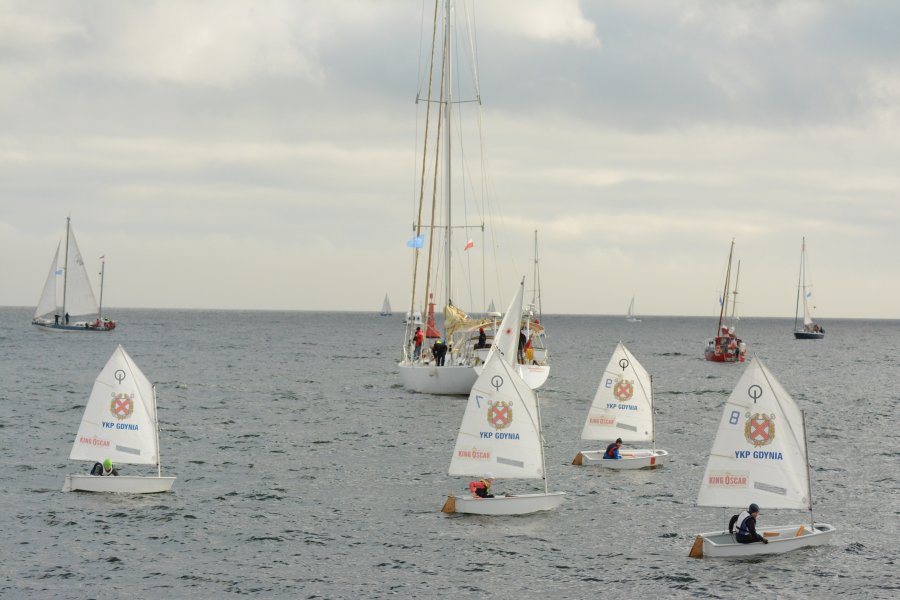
412	300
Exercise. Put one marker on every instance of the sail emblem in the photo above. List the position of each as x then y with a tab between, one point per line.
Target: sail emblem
122	406
499	414
623	390
760	429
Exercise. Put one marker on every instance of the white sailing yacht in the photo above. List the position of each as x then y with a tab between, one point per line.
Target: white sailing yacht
630	316
67	301
622	408
119	423
386	307
759	456
447	268
501	431
810	329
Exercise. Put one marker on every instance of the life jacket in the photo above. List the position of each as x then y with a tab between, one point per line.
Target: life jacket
611	451
481	487
741	524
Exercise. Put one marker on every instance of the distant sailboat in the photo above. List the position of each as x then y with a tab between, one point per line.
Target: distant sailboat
759	455
386	307
726	346
500	431
119	423
810	330
630	317
67	301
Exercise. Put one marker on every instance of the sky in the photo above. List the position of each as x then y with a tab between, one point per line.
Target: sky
260	154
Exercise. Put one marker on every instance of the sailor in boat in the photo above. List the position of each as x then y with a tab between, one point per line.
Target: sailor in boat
104	469
67	318
439	351
418	339
612	451
746	526
482	338
522	342
482	487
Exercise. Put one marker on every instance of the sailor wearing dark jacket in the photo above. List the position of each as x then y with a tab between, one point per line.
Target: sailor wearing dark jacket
746	526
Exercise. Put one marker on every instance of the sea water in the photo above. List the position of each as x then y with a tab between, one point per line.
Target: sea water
305	470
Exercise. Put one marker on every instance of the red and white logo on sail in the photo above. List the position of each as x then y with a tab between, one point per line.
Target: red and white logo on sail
122	406
623	390
500	414
759	429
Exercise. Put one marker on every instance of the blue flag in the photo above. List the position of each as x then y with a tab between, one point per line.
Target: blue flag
416	242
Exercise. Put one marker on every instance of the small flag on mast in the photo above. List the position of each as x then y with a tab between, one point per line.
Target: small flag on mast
416	242
469	244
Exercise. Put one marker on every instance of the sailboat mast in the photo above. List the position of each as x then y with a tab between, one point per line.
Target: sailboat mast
652	414
812	522
534	294
447	158
156	427
734	294
800	282
724	298
102	270
66	263
537	404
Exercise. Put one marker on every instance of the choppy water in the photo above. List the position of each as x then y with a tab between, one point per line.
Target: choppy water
305	470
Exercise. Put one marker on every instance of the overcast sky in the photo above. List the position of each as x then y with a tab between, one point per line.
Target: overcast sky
258	154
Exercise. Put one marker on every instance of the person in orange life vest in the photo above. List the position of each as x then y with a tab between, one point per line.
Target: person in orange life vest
482	487
418	338
612	451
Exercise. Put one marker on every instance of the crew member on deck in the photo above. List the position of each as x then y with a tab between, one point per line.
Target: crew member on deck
612	451
746	526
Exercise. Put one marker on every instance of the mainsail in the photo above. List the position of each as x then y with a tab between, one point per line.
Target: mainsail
67	288
49	302
119	421
759	453
623	404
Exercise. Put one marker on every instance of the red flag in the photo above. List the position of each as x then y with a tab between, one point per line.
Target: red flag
469	244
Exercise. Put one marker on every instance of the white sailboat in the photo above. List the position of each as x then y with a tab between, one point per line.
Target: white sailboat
759	456
442	214
119	423
622	408
810	329
501	431
630	316
67	301
386	307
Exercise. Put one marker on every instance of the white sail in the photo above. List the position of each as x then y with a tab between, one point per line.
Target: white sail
759	454
119	421
79	297
506	342
499	432
630	314
386	306
49	302
623	404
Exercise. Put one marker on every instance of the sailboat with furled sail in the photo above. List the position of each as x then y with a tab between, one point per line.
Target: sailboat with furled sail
67	301
726	346
445	266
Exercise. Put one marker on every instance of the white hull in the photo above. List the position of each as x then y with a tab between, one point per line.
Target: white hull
632	319
509	505
631	459
721	544
123	484
431	379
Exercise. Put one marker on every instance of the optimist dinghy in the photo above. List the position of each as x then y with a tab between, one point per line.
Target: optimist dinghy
759	455
119	423
622	408
501	430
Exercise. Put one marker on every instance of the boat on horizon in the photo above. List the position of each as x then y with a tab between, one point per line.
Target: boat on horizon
726	346
67	301
810	329
630	316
